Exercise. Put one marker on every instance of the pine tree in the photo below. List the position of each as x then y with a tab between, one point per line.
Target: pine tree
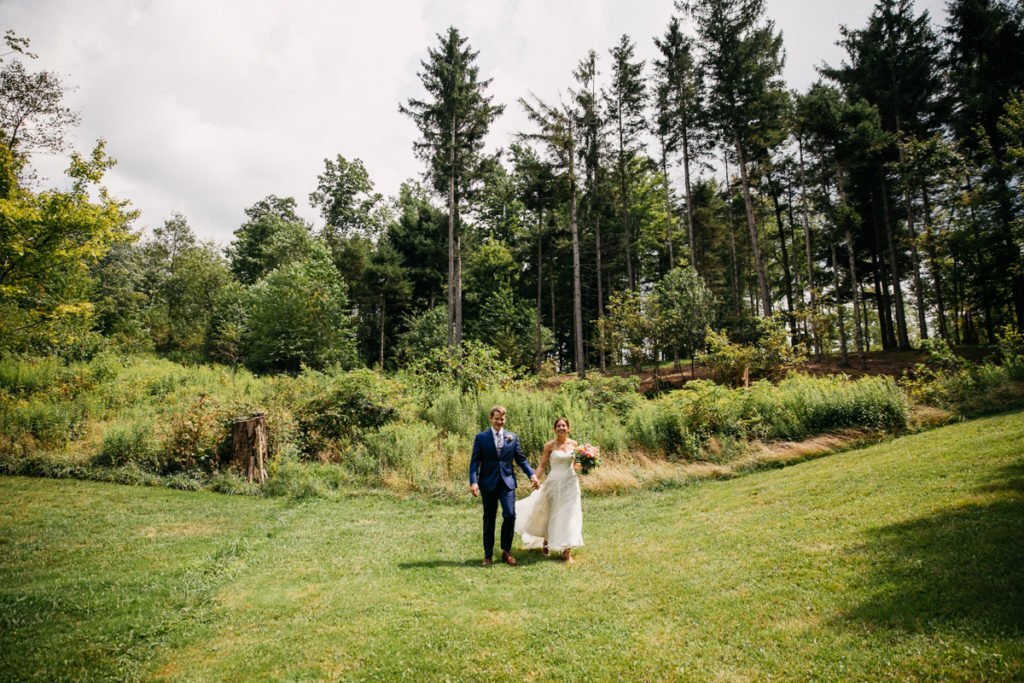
743	58
624	103
453	122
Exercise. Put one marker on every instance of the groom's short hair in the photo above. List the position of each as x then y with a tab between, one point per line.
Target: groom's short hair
497	409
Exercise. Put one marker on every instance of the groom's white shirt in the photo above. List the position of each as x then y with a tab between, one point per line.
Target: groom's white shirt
498	438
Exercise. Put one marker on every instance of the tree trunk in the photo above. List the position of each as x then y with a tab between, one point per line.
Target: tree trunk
577	301
903	342
668	207
788	278
600	296
540	282
854	282
382	302
624	206
922	321
451	239
458	277
249	446
839	307
812	292
736	297
881	284
933	260
689	196
762	280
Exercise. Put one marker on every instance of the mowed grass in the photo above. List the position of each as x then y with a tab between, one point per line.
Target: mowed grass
900	561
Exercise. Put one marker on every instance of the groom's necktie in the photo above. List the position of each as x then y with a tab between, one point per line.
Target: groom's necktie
497	442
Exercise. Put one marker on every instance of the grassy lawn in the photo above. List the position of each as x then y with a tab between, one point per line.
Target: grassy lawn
900	561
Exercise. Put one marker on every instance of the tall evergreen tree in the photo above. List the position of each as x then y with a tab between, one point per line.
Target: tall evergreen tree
558	126
679	73
743	57
624	103
453	122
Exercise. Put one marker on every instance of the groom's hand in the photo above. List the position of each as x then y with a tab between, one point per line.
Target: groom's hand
535	482
475	490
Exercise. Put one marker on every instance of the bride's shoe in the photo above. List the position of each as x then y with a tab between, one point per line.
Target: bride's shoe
567	556
544	550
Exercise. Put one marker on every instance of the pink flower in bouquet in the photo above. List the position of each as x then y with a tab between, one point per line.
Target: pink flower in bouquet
588	456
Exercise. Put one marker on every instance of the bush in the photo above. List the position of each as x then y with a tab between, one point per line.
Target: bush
619	394
198	436
45	422
408	449
294	479
471	368
1011	352
133	444
352	403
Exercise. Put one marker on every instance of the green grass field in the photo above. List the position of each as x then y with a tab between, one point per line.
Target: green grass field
900	561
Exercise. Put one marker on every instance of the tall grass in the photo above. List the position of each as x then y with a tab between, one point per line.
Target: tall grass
154	416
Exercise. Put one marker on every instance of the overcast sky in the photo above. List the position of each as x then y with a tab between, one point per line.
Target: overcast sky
210	105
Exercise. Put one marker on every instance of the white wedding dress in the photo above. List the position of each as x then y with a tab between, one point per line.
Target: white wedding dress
553	511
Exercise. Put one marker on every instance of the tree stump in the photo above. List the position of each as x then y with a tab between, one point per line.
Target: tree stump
249	446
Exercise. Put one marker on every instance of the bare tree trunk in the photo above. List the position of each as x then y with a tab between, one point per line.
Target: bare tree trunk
540	242
762	280
839	307
882	285
807	242
458	278
689	195
600	295
785	256
249	446
577	301
933	259
382	303
854	281
922	321
668	206
451	239
736	297
903	342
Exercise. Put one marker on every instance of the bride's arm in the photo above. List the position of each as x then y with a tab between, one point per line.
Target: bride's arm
544	460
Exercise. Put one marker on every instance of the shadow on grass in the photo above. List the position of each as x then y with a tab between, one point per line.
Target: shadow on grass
523	559
960	567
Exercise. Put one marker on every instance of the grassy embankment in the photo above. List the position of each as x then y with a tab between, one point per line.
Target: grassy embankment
149	421
903	560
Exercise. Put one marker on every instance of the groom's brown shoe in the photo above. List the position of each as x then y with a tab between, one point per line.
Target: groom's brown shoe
487	562
508	559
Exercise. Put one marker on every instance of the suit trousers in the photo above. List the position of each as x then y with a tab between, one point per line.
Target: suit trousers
506	497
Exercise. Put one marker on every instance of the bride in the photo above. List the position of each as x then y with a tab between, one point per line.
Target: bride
551	517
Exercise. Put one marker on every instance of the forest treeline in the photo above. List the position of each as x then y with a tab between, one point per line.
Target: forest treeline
650	202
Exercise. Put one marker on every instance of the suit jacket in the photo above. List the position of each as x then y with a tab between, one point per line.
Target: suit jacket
489	467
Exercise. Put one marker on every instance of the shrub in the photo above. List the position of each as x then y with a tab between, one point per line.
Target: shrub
352	403
1011	352
619	394
132	444
198	436
409	449
294	479
23	376
49	424
471	368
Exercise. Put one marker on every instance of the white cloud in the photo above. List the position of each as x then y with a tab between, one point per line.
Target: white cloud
210	106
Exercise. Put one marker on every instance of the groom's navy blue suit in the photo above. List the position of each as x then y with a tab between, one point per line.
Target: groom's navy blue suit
492	470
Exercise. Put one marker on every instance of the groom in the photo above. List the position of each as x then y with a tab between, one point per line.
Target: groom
492	478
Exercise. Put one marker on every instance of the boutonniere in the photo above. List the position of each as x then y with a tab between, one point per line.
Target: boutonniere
508	438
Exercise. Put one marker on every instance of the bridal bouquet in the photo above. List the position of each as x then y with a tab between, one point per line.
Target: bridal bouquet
588	457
